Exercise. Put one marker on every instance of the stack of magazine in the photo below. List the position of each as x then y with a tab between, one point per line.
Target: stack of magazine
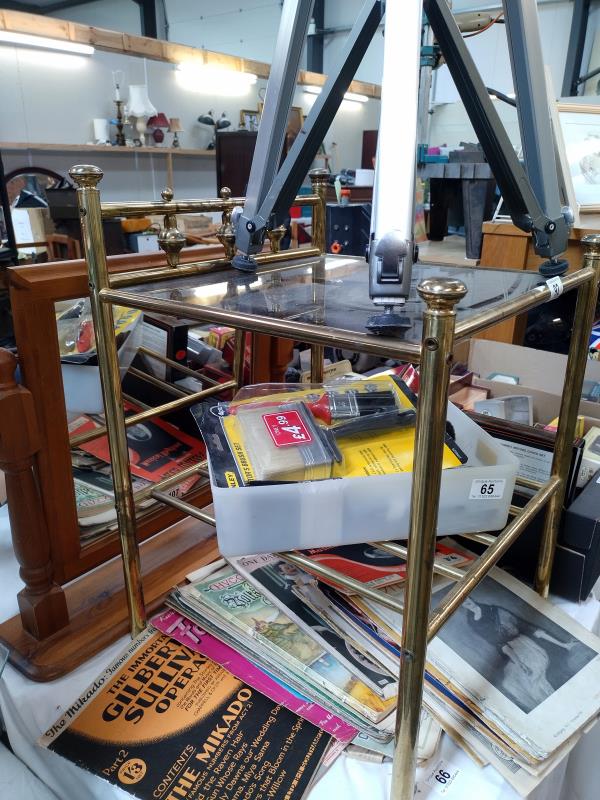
258	676
512	679
157	449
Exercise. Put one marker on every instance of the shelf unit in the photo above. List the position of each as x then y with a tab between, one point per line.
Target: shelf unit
439	300
106	149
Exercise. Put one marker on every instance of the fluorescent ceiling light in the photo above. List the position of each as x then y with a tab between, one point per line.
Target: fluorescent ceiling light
8	37
352	96
207	79
356	98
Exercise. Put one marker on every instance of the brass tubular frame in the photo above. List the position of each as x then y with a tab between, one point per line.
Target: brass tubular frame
165	408
88	198
181	505
160	207
173	480
440	295
434	353
483	538
486	561
587	297
136	278
316	363
348	583
448	571
510	308
289	329
318	179
239	352
528	484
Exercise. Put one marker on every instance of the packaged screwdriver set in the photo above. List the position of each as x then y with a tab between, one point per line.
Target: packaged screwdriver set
273	433
296	466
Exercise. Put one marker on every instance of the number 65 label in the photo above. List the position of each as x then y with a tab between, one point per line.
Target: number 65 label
483	489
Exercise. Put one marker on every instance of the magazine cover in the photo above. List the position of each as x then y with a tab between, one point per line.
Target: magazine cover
277	579
197	639
317	601
157	449
530	670
375	566
311	680
163	721
232	599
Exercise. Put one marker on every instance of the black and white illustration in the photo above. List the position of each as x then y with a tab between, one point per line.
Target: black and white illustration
515	647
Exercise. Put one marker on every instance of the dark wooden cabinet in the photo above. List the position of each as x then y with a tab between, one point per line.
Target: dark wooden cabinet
234	158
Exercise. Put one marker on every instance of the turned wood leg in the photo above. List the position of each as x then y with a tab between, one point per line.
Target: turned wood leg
41	602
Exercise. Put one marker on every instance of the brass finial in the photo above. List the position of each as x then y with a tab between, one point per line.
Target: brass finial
318	176
226	234
170	239
441	293
591	243
275	236
86	176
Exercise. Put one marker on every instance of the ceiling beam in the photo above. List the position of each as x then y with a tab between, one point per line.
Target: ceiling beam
119	42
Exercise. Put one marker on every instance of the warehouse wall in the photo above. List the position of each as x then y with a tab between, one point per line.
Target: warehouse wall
41	114
250	28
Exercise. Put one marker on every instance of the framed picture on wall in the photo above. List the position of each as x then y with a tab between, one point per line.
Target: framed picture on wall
250	119
580	126
294	124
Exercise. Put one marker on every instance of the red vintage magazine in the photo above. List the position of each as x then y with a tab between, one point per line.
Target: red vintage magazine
157	449
374	566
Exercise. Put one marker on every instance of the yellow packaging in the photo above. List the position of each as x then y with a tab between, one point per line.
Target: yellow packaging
372	453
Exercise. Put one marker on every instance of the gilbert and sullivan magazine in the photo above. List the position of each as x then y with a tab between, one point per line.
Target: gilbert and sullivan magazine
166	722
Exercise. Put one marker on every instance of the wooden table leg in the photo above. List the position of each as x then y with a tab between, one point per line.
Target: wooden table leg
41	603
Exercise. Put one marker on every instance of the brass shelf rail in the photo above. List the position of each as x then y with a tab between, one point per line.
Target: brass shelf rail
440	297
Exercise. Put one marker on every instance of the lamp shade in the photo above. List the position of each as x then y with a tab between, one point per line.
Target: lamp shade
223	122
206	119
139	104
158	121
175	125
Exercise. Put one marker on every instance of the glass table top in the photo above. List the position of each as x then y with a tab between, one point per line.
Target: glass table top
331	291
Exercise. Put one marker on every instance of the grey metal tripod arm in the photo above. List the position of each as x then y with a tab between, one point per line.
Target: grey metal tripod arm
293	26
532	196
269	189
391	247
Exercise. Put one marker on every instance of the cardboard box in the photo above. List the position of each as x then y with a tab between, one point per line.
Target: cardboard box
541	376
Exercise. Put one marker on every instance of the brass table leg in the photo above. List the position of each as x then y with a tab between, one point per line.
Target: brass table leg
318	179
587	295
440	296
87	178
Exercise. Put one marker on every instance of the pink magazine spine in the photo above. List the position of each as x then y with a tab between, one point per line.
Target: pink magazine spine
192	636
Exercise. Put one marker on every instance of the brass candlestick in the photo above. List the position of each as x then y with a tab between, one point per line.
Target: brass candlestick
120	135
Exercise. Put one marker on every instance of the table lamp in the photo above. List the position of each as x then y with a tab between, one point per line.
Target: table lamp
217	125
175	128
140	107
156	125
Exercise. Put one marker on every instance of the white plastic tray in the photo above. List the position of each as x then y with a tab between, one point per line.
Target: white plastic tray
265	519
81	384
